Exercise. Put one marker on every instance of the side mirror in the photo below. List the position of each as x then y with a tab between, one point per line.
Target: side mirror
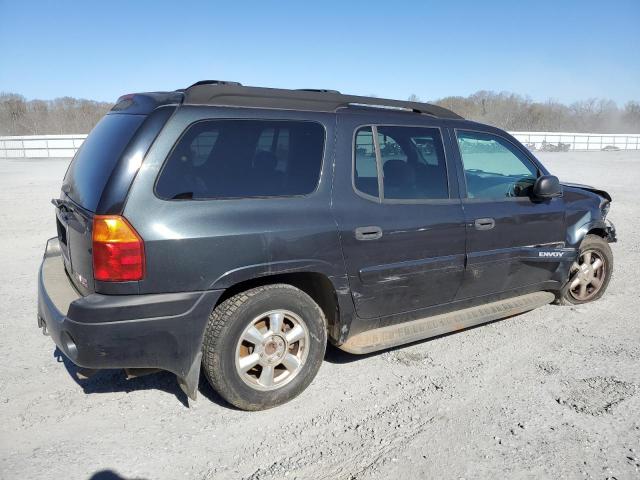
547	186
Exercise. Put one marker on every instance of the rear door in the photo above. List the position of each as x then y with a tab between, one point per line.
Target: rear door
513	241
400	221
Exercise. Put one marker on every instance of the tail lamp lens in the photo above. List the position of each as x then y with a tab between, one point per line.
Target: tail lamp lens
118	250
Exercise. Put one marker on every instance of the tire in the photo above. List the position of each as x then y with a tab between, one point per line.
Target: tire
259	323
599	250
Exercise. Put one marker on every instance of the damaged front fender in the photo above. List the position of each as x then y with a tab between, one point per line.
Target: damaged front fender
587	208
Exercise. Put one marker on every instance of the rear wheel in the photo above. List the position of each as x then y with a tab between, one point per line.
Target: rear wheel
590	274
264	346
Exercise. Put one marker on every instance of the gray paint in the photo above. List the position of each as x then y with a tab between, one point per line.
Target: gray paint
430	259
209	244
199	245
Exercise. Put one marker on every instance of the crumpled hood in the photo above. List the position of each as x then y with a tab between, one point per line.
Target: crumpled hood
588	188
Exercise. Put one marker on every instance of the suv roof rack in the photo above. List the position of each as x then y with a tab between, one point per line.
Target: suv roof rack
323	90
233	94
216	82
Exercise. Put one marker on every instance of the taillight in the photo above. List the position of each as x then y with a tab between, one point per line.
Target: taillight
118	250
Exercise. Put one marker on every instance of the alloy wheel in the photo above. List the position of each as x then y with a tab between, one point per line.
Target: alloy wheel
587	275
272	350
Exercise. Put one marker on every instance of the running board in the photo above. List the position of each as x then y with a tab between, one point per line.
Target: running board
386	337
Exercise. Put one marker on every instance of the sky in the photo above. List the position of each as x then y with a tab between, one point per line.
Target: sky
560	50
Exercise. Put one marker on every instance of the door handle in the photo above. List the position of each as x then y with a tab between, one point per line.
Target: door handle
484	223
368	233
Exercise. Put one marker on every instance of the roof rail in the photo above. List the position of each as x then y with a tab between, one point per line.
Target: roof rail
216	82
233	94
323	90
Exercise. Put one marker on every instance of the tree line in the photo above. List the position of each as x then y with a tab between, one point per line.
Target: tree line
66	115
509	111
517	113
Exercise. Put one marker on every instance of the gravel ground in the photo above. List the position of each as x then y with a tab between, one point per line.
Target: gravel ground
551	393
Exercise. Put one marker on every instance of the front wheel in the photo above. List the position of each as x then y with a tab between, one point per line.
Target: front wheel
590	274
264	346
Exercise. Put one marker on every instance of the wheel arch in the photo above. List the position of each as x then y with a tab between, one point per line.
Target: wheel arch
577	232
599	231
315	284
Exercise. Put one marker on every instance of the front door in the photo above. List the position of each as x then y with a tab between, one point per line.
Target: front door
399	216
513	240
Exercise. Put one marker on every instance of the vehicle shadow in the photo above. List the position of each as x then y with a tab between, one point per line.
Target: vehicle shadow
110	475
340	357
337	356
115	380
110	381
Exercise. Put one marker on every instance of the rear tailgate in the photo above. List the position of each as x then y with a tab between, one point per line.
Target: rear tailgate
74	226
100	174
82	189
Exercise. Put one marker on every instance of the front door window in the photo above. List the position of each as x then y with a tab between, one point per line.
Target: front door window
493	167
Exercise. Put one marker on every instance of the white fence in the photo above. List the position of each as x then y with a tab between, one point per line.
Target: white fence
65	146
561	141
40	146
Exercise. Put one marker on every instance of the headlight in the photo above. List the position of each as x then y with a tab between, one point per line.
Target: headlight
604	208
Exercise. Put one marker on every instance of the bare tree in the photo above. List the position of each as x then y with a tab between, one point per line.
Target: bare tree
631	114
40	117
506	110
514	112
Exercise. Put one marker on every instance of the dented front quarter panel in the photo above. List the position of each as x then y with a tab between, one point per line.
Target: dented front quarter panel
585	213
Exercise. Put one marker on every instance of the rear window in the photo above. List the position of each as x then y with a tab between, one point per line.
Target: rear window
243	158
95	160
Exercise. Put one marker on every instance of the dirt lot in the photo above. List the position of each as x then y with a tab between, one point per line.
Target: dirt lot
552	393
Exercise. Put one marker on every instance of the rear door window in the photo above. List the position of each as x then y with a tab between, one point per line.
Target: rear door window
365	175
94	162
412	160
243	158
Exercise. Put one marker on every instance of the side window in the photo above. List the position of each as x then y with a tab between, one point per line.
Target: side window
390	149
412	159
365	175
411	170
276	141
243	158
427	152
494	167
202	145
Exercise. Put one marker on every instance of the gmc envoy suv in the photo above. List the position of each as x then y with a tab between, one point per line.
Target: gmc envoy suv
238	229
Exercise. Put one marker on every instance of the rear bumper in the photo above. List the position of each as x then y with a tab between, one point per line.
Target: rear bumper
121	331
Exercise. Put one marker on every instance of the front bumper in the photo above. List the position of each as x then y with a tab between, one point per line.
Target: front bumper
162	331
611	232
